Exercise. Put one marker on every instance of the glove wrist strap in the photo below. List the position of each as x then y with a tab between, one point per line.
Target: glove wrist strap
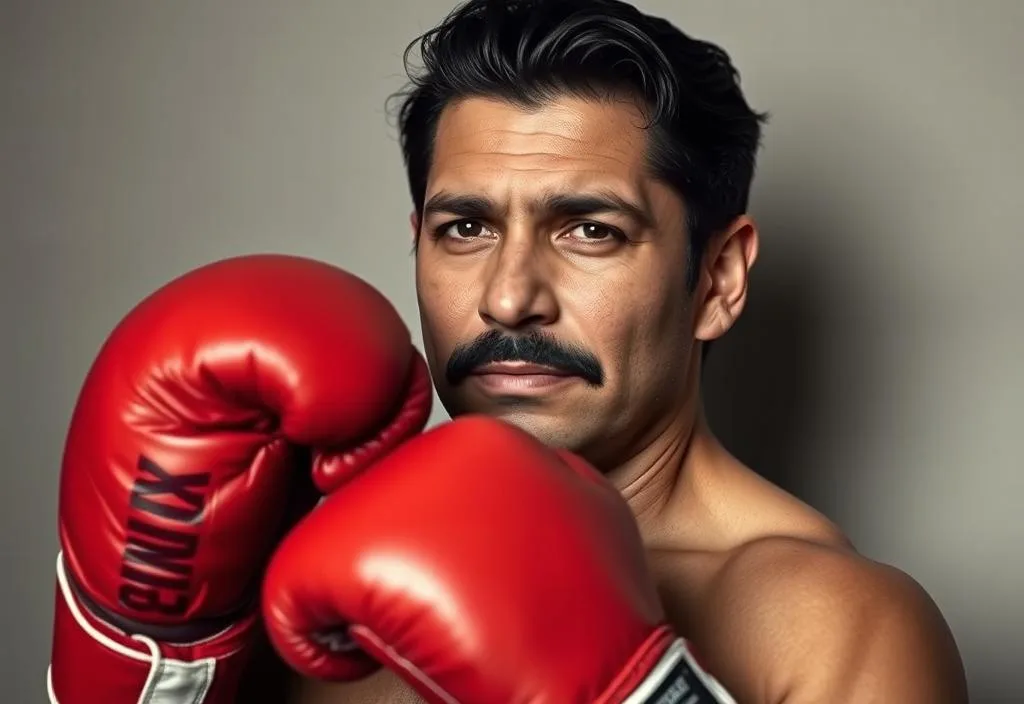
677	678
93	661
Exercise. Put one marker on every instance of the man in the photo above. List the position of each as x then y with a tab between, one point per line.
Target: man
580	174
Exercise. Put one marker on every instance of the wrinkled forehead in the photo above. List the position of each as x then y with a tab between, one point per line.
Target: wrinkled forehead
578	143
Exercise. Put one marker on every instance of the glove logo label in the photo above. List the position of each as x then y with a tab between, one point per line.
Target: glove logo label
161	539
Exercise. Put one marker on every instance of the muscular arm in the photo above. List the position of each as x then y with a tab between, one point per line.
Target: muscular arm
788	622
795	623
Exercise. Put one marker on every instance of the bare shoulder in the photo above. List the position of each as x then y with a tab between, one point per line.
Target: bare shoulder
819	622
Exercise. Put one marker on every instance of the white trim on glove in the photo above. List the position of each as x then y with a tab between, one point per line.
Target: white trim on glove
169	681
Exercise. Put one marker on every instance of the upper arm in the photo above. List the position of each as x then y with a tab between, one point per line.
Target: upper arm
805	623
887	643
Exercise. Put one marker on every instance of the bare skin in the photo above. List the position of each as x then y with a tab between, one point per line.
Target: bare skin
776	599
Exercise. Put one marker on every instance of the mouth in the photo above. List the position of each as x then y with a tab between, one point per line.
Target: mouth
518	369
519	378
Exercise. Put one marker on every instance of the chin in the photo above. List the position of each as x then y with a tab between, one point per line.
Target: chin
556	424
552	430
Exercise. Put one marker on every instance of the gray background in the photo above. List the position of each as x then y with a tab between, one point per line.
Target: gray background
877	372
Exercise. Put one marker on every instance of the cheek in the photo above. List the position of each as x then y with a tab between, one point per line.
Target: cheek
448	308
665	341
604	322
640	334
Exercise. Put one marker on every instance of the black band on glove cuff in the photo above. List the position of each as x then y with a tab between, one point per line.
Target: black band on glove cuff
678	679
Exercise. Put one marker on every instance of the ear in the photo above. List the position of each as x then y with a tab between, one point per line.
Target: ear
725	273
414	229
414	225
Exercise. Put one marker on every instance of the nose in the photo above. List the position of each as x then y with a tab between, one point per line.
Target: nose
519	292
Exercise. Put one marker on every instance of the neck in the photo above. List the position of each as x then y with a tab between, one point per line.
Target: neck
663	480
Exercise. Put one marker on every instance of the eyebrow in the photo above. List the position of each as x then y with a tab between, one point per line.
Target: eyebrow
561	204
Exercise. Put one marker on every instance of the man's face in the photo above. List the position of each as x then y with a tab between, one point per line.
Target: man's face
550	273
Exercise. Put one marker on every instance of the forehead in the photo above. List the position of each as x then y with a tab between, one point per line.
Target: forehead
486	141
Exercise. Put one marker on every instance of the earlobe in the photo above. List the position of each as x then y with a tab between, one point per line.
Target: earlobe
714	322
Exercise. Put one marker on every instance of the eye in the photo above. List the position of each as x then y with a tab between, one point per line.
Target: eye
463	230
596	232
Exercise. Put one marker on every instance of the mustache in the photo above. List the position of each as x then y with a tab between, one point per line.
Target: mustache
533	347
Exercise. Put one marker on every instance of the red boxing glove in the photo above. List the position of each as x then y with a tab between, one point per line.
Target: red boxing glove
190	431
482	568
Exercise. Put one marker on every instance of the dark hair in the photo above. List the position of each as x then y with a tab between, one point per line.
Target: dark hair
703	135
